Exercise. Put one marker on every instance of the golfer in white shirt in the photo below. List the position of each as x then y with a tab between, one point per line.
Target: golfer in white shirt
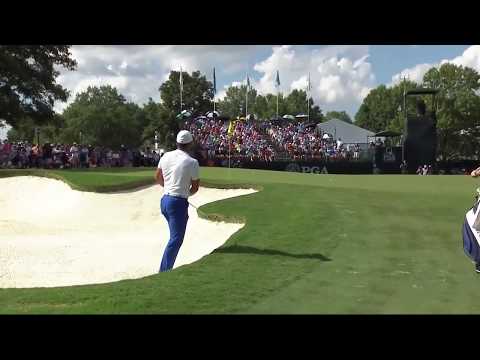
178	174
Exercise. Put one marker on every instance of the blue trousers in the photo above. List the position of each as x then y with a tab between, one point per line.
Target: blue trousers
175	210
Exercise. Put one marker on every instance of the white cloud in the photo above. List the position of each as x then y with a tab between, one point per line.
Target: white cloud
300	84
470	58
341	76
220	95
414	73
139	70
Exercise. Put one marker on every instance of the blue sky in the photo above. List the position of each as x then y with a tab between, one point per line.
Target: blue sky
341	75
388	60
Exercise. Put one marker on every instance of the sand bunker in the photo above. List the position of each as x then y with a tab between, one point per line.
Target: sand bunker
51	235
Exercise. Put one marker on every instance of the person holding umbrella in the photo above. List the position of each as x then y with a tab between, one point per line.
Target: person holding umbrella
178	174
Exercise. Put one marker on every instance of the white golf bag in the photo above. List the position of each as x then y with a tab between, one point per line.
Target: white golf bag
471	231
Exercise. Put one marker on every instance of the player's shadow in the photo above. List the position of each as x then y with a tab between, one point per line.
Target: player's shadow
237	249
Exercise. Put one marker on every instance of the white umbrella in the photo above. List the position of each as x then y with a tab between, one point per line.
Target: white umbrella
211	114
289	117
301	116
184	114
250	117
325	136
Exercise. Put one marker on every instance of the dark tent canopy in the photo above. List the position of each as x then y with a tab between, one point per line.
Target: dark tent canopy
421	91
387	133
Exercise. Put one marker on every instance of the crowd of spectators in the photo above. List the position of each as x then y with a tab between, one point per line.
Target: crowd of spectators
425	170
60	156
308	143
247	140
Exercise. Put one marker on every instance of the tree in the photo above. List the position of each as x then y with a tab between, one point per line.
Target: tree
458	115
340	115
197	98
28	87
161	121
197	93
265	106
296	102
316	114
103	117
233	104
261	107
382	108
26	130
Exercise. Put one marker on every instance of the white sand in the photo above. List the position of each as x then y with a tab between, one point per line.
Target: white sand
51	235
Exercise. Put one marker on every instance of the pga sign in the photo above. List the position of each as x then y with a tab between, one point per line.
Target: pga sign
307	169
314	170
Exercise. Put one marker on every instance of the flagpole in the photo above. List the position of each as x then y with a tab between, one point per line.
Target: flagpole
277	100
246	100
181	90
308	109
308	98
214	91
277	84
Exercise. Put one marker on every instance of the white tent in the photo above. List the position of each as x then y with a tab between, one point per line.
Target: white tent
349	133
4	128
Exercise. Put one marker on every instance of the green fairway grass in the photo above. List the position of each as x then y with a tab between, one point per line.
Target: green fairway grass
312	243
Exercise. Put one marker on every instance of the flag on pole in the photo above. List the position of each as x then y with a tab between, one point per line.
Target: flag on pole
248	83
277	80
214	82
309	85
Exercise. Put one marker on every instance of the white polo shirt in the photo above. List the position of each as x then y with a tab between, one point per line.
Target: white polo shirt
178	169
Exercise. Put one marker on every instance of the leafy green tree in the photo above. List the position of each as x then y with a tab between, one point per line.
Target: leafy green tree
197	96
458	115
26	130
233	104
316	114
28	87
101	116
340	115
261	107
162	122
265	106
382	108
296	102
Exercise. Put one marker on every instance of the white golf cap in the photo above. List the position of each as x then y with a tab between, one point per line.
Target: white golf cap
184	137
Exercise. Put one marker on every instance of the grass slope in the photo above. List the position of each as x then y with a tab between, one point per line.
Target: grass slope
311	244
